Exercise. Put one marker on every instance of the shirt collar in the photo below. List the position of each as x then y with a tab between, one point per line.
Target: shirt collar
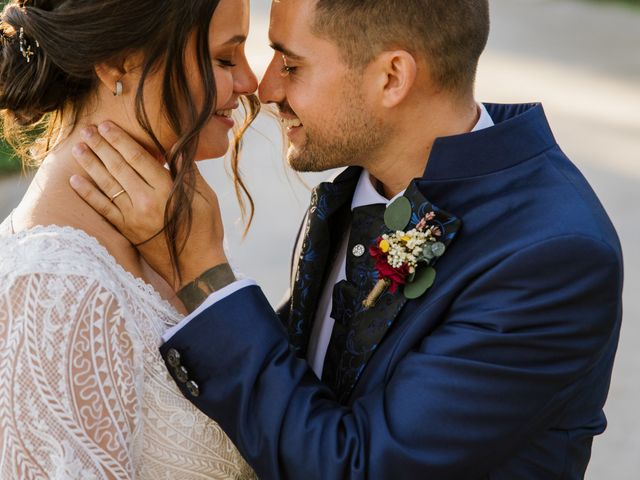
366	193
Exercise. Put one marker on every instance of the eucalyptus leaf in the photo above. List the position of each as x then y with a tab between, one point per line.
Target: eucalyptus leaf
422	282
438	249
428	254
398	215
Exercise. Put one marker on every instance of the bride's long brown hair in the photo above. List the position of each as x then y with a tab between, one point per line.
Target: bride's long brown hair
69	37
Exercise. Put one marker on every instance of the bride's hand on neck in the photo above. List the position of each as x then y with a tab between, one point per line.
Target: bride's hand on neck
131	189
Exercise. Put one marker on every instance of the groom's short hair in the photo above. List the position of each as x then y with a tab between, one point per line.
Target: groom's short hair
451	34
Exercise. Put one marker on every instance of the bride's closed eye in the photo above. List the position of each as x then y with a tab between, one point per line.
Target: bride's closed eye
225	63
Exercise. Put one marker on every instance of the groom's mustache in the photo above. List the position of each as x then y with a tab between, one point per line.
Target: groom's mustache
284	108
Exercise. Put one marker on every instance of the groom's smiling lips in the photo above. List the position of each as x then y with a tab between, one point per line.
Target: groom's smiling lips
289	119
291	125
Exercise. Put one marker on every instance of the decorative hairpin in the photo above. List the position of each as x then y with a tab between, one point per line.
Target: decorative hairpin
25	48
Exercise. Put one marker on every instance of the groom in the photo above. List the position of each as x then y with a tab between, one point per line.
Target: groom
485	352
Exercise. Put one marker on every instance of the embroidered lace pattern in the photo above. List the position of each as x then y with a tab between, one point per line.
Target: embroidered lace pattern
84	393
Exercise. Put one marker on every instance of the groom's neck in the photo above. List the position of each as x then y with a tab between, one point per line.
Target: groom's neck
406	153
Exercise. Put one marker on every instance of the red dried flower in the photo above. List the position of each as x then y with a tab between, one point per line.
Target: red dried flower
397	276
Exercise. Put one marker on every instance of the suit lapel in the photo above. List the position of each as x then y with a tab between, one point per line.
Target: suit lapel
358	332
330	204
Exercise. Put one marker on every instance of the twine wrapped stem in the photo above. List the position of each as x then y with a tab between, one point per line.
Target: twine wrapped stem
375	294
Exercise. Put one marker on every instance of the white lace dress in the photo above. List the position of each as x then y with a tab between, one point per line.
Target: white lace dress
84	393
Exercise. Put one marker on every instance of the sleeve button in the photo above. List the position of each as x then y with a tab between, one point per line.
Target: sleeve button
193	388
182	374
173	358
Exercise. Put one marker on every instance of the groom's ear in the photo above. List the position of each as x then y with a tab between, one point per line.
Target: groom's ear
395	74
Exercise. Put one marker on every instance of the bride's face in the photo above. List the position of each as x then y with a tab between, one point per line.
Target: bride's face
227	35
228	31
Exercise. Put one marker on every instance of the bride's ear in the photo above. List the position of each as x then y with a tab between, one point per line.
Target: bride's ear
116	75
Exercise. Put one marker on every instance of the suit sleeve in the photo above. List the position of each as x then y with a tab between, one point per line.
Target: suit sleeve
500	367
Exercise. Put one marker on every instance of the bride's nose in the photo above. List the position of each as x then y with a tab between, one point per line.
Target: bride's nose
245	81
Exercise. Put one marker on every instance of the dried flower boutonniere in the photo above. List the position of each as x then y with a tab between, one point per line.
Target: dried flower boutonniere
405	258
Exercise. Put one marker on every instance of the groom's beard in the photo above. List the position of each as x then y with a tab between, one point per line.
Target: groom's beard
346	140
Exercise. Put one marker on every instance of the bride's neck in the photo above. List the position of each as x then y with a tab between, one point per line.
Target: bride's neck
50	200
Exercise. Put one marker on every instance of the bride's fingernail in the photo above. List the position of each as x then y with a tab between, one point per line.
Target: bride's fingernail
75	181
79	150
87	133
104	127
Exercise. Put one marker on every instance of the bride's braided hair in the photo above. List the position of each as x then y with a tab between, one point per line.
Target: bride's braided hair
48	52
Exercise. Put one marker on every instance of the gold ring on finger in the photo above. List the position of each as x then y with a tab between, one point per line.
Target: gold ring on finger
117	195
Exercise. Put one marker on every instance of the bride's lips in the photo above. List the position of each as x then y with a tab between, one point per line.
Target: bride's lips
224	115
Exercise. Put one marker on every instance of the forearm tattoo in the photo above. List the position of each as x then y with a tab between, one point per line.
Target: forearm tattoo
196	292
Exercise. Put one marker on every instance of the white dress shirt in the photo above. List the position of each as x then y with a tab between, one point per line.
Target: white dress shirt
365	194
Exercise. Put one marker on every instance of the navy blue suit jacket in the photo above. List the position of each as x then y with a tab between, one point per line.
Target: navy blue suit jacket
499	371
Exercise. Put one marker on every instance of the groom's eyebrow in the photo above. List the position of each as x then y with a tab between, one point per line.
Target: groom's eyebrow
278	47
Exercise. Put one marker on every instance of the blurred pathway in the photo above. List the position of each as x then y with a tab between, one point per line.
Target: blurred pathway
11	190
583	62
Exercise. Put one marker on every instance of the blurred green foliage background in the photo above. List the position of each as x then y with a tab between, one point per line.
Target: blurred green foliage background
9	163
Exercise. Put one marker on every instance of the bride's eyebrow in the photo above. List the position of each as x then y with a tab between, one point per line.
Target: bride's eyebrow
235	40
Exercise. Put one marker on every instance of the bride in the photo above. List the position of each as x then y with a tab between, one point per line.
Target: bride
83	390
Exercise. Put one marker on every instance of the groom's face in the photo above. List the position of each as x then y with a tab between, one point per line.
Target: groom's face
322	102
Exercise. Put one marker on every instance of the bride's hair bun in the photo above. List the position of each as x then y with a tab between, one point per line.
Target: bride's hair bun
31	83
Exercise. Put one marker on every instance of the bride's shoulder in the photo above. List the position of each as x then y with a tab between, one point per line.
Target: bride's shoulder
55	250
62	253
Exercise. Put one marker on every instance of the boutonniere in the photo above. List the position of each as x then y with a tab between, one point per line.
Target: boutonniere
405	258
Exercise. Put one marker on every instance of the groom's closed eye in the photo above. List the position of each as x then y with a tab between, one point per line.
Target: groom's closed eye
287	70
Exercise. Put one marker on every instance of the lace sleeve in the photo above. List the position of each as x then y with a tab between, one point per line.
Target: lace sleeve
71	380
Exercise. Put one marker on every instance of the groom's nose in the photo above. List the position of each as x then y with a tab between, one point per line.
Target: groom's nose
271	88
